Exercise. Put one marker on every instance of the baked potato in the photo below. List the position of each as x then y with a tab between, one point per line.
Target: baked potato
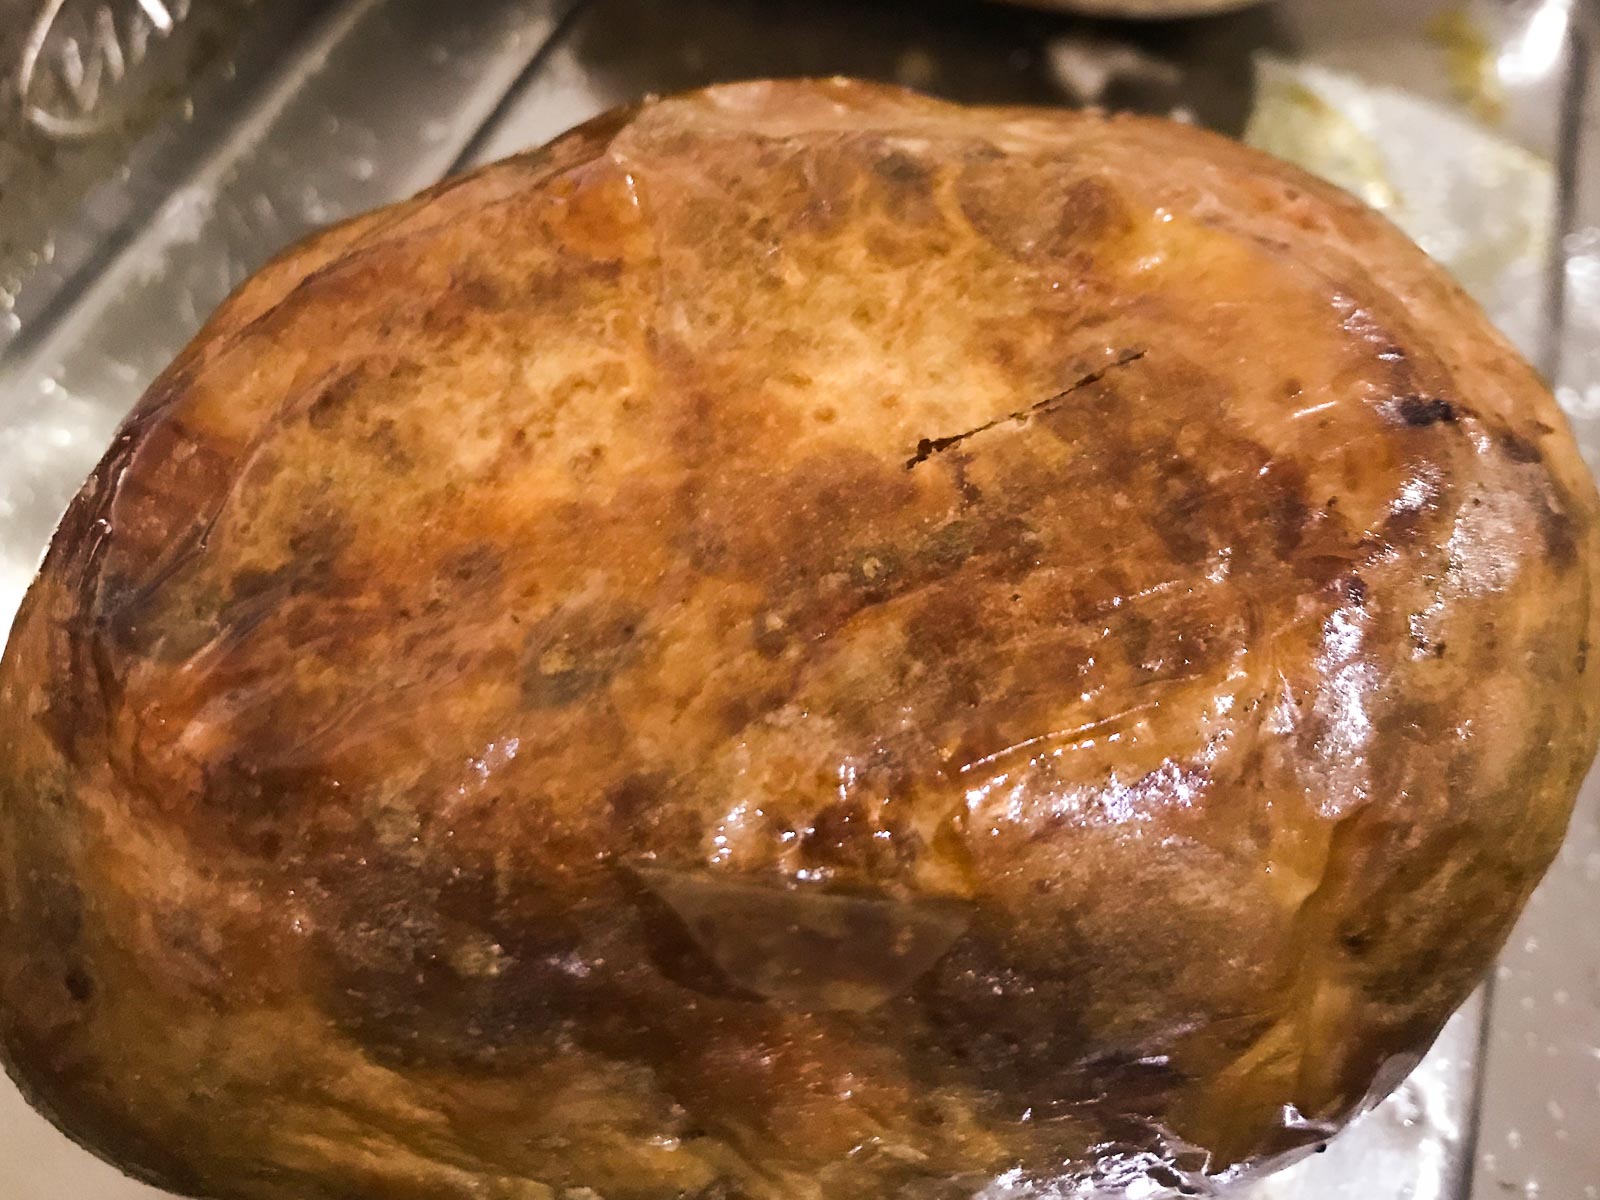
798	641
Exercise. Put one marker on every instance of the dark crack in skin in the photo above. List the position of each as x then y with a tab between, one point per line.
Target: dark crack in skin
798	642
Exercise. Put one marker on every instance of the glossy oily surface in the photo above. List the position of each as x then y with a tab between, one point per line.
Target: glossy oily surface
799	641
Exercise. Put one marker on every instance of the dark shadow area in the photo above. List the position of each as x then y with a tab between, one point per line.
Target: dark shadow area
959	49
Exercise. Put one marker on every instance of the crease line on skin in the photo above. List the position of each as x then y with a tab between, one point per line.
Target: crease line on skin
928	447
1059	734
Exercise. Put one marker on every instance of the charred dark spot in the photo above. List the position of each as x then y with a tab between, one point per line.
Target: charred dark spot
1091	211
1033	216
1134	634
1182	502
72	713
319	536
740	710
903	170
1560	535
250	582
441	963
1422	411
949	546
56	904
1518	448
877	572
1355	590
578	650
480	291
247	799
634	797
1005	1027
835	830
1290	514
474	566
332	401
904	173
385	442
78	984
946	619
1357	942
425	1013
194	954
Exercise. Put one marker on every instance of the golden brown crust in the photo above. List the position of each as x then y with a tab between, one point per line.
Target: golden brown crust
798	641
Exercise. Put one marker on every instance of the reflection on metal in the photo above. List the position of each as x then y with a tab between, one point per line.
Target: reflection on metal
83	67
1479	204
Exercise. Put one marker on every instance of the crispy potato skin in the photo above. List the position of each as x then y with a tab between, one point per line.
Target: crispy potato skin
1113	577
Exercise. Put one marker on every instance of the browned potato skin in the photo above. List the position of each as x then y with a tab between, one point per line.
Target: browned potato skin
492	565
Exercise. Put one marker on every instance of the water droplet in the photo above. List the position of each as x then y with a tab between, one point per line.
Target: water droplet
363	168
1514	1139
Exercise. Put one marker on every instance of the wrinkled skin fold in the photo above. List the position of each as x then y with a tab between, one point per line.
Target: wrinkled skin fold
799	641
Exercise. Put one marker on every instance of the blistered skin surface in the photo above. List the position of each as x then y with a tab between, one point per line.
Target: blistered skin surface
800	641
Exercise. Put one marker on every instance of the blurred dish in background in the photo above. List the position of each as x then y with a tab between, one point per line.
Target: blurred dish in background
1141	9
